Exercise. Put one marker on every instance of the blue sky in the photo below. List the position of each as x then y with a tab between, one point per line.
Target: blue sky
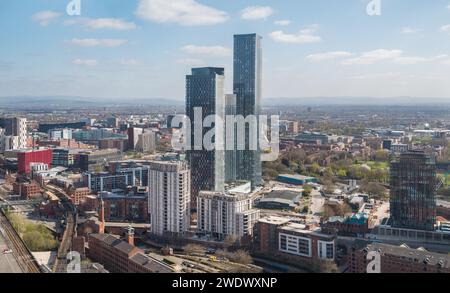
144	48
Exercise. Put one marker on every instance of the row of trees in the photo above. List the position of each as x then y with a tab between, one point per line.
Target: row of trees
37	237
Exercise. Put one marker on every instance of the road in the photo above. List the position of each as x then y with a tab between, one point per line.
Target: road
8	263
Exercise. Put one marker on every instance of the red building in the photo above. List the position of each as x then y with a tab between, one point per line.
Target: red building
25	158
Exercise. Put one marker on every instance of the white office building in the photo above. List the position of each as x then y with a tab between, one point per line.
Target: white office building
169	197
59	134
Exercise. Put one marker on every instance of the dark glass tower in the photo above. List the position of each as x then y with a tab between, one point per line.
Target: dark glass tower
205	93
413	187
247	88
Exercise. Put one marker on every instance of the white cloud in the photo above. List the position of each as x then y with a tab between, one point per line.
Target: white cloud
45	17
130	62
103	23
409	30
217	51
448	7
183	12
396	56
305	36
328	56
191	62
97	42
85	62
256	12
284	22
372	57
445	28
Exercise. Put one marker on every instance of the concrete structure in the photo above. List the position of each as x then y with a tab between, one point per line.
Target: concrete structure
222	214
90	160
169	198
58	134
146	142
117	179
15	133
133	137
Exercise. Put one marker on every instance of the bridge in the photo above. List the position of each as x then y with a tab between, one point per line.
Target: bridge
11	203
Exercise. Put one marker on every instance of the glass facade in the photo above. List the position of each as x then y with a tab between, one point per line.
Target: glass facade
205	90
247	88
413	187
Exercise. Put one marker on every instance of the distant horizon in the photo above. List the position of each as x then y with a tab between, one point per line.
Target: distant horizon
270	101
143	48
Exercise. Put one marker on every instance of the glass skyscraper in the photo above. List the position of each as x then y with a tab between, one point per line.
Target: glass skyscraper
247	87
205	96
413	189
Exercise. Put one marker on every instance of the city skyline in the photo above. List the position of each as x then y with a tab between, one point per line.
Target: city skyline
311	49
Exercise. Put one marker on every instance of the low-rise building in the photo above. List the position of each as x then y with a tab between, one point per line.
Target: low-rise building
119	256
290	241
395	259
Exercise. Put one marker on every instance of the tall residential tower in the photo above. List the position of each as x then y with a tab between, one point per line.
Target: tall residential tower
247	86
205	96
413	189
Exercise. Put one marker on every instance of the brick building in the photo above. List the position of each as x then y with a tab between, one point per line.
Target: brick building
78	195
397	259
289	241
132	206
357	224
119	256
27	190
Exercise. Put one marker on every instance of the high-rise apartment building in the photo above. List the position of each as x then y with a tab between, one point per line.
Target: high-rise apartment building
204	97
14	127
247	86
222	214
169	197
230	140
413	187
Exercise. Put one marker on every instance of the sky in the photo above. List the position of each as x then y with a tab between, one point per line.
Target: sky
144	48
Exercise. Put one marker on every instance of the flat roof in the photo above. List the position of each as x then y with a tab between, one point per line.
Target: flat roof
301	177
275	220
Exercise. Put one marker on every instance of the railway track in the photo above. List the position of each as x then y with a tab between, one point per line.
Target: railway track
24	258
65	247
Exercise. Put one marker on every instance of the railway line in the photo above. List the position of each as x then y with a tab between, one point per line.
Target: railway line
25	259
65	247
